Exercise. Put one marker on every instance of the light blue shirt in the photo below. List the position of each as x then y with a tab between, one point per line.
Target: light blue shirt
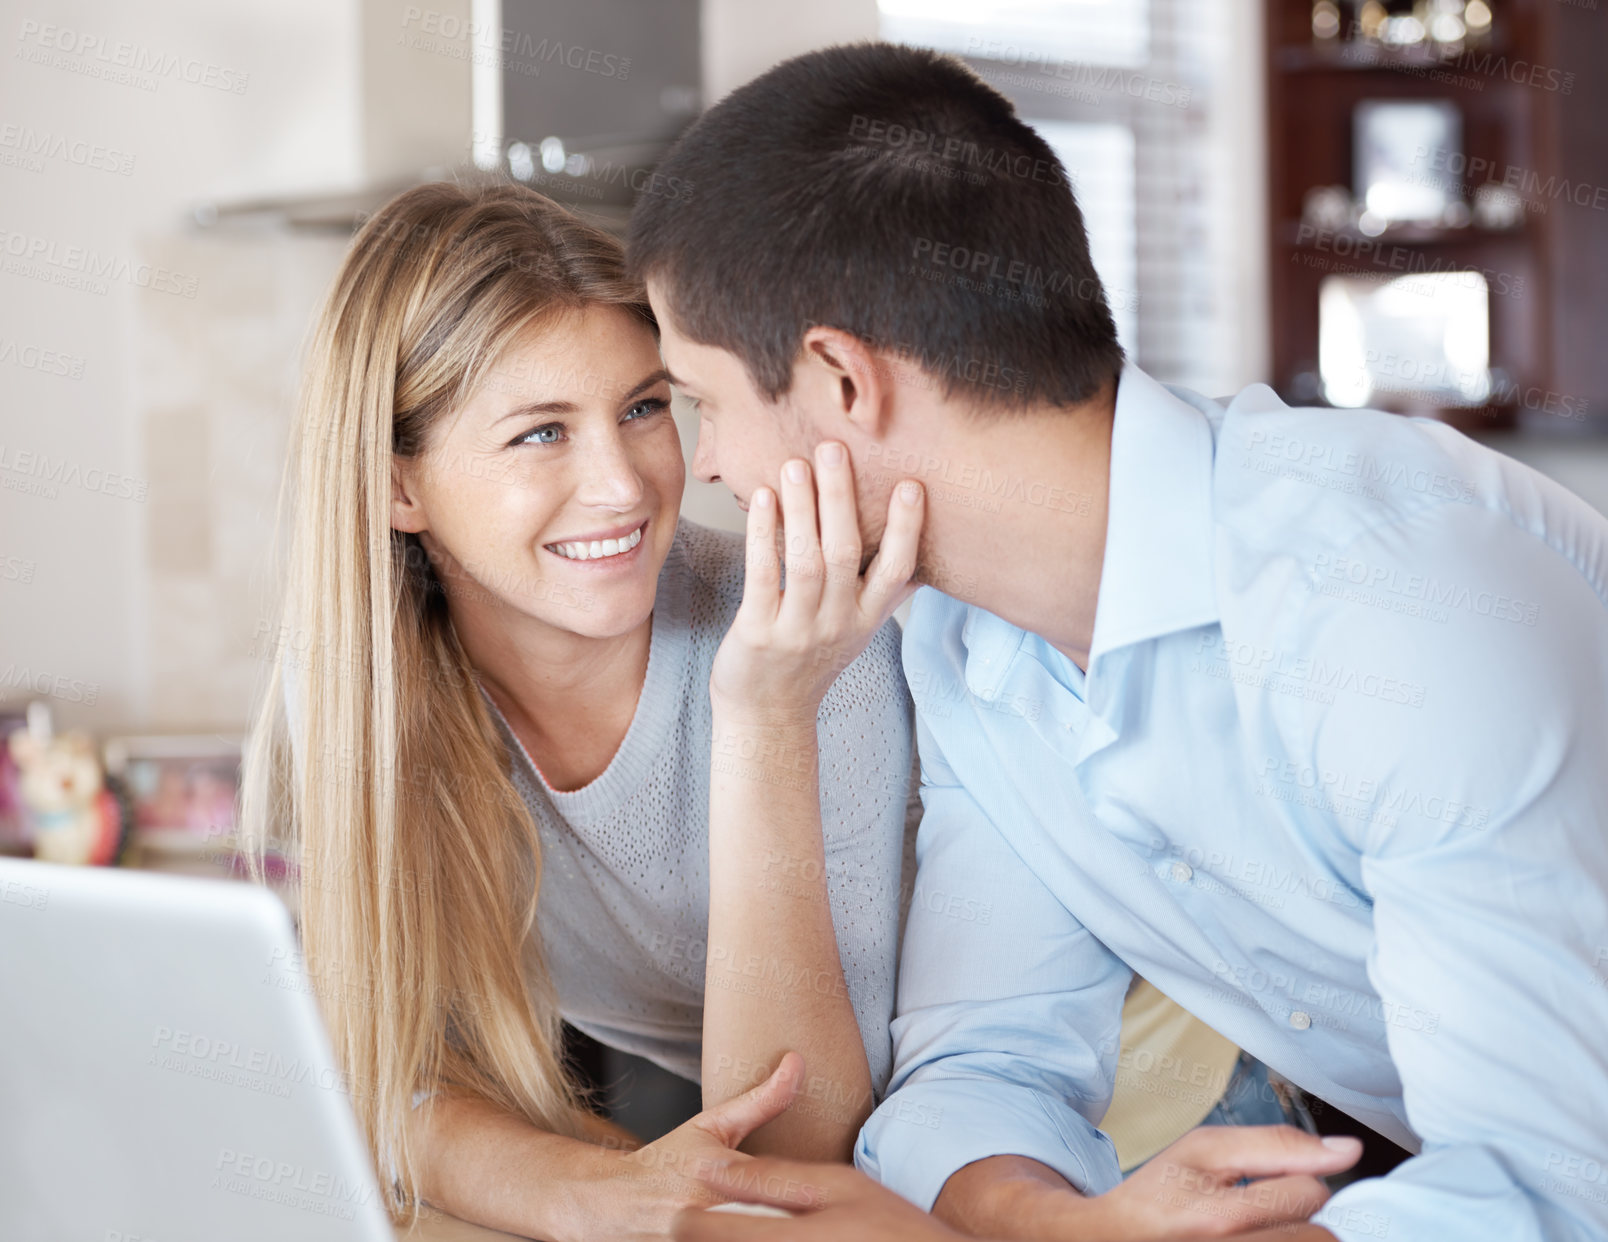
1336	781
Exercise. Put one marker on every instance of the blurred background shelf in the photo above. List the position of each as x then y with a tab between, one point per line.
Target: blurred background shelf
1530	101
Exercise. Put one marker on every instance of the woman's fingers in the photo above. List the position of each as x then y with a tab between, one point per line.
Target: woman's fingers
795	1185
735	1119
887	578
826	596
762	581
840	528
802	540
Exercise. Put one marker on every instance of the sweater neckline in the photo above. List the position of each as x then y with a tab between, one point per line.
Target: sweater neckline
669	642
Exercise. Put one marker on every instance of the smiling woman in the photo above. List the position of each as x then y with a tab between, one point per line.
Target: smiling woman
516	792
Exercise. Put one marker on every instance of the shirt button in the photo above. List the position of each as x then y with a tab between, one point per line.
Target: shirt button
1181	871
1300	1020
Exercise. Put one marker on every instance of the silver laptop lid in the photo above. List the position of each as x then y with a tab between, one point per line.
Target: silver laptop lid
164	1072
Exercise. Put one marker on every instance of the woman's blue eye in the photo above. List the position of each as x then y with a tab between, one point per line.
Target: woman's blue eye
651	405
541	435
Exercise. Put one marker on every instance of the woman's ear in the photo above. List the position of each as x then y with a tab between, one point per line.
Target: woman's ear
407	513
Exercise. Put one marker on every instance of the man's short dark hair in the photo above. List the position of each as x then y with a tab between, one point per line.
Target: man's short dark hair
889	192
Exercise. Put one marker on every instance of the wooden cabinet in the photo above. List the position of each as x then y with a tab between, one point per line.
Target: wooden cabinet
1533	100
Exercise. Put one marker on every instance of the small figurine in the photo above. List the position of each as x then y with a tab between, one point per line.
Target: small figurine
74	818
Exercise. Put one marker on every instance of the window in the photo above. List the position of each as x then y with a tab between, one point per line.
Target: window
1096	32
1154	106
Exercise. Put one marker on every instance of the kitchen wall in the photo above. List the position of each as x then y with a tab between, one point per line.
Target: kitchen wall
271	109
143	411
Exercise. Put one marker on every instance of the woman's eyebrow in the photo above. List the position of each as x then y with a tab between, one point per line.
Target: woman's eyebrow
569	407
657	377
537	407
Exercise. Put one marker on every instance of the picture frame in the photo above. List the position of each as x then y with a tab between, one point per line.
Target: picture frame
1403	151
184	789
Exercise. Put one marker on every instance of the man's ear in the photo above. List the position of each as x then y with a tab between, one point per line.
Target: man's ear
854	376
407	513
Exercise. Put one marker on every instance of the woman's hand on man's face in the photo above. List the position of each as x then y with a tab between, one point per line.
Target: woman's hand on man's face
785	648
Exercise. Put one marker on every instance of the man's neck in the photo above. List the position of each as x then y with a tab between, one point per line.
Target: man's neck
1022	533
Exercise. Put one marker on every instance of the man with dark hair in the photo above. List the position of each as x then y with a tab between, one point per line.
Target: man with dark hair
890	195
1298	715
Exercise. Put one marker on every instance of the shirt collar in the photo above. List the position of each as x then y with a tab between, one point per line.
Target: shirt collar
991	644
1156	577
1157	574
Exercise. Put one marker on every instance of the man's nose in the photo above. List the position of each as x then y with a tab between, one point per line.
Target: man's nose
703	455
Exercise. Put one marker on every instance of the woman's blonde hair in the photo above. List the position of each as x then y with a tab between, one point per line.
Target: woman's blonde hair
419	863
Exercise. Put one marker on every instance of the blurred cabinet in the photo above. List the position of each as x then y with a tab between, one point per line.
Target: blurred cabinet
1524	168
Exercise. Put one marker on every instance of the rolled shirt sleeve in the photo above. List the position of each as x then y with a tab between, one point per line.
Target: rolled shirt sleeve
1005	1038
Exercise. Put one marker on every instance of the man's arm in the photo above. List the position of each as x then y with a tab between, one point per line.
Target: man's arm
1008	1014
1009	1011
1487	862
1030	1195
1190	1189
830	1202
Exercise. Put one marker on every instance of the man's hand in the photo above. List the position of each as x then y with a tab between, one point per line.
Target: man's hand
1189	1190
833	1203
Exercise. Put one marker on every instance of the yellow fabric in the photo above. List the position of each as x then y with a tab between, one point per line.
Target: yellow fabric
1172	1070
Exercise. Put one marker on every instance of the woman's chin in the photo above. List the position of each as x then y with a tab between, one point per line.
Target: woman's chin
605	605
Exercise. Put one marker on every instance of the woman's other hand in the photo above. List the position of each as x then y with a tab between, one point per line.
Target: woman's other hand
633	1196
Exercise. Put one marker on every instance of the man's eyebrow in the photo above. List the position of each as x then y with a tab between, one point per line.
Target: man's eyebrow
569	407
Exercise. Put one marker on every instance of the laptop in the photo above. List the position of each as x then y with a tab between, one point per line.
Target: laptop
165	1075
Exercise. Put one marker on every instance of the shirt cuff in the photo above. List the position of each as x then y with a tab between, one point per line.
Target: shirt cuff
1456	1192
926	1131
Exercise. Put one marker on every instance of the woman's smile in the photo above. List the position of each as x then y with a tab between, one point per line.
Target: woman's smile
614	548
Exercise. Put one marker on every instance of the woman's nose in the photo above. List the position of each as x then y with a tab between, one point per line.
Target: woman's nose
611	477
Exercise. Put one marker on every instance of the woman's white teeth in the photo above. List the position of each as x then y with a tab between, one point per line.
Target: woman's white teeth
598	548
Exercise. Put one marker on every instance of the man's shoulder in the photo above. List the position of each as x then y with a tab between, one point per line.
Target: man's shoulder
1282	471
1311	484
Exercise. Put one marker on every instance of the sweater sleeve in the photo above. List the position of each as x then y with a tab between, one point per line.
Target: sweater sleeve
865	741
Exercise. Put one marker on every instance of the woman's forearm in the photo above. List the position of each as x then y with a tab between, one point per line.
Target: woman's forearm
773	976
491	1168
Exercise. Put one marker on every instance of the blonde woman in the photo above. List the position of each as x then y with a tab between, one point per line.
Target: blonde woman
543	757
